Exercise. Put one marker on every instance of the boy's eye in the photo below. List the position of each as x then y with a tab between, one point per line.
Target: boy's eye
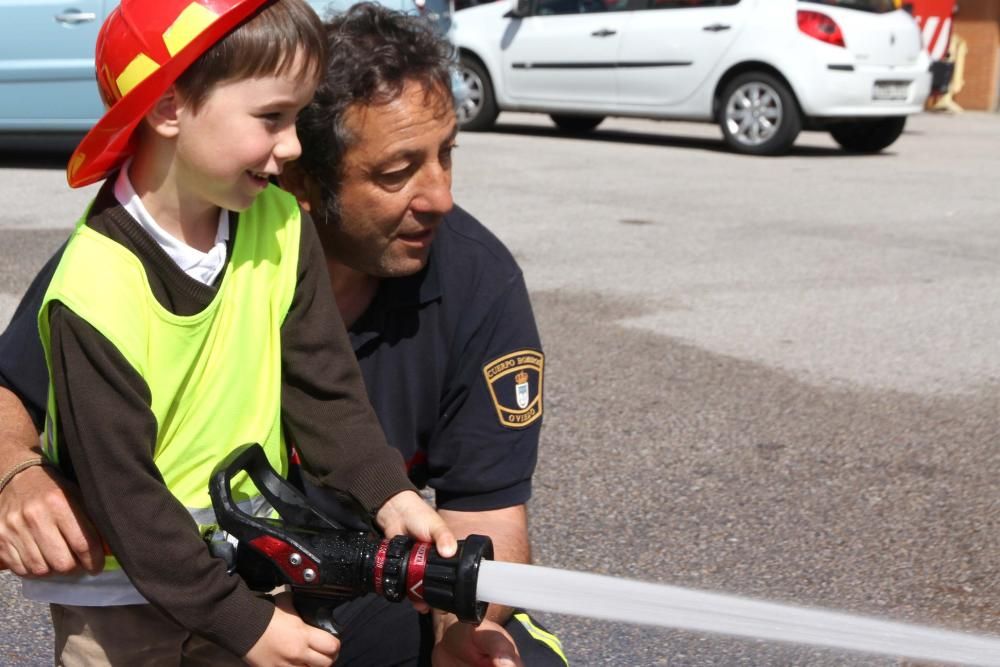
277	118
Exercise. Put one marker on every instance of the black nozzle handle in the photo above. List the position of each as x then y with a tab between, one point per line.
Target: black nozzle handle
292	506
286	500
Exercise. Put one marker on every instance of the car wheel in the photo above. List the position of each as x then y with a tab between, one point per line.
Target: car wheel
478	110
758	115
576	124
868	136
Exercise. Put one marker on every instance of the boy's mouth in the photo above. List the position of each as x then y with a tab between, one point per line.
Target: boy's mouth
259	178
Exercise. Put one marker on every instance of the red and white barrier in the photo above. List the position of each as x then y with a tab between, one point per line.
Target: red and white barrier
935	20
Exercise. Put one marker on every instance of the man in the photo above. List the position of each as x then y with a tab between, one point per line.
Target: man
439	318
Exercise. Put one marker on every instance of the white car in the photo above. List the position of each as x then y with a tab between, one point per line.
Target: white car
762	69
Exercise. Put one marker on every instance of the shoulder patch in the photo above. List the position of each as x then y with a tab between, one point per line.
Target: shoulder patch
515	382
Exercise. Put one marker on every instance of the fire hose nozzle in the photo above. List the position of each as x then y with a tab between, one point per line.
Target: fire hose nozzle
321	559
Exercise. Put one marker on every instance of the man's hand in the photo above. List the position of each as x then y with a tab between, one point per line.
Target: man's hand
289	642
406	513
464	645
43	529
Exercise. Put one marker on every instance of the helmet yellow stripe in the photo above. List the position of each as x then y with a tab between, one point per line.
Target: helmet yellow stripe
189	24
74	163
135	73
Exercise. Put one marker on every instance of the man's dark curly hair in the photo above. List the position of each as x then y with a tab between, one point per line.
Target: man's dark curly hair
373	53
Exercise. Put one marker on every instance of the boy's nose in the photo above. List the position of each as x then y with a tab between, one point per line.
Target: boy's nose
288	146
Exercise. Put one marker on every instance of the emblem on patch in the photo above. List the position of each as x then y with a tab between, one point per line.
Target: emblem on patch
515	382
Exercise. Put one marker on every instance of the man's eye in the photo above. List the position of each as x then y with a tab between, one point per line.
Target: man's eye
445	156
395	178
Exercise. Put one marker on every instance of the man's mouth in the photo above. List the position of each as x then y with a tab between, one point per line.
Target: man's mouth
420	238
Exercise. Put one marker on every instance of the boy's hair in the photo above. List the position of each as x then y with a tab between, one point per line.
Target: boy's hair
373	53
263	45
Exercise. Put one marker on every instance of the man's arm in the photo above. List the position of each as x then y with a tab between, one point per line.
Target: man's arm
18	438
507	527
459	644
477	450
42	528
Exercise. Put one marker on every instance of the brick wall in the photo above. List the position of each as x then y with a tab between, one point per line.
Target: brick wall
978	22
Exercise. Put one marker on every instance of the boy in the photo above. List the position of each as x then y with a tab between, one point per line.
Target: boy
176	330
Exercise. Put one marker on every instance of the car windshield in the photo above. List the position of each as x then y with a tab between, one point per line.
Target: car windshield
875	6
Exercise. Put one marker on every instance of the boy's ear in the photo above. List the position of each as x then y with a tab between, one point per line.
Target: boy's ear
164	115
294	179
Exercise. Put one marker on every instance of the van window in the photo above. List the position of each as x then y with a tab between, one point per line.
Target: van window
874	6
557	7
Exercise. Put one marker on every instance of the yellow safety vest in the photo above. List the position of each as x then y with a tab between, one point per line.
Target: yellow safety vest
214	377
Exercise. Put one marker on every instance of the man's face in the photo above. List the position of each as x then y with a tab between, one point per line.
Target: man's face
396	183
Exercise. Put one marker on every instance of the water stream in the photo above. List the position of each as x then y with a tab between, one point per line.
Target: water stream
629	601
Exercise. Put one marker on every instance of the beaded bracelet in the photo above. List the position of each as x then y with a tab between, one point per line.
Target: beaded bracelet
20	467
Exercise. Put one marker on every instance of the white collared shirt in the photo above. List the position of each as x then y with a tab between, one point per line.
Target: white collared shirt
202	266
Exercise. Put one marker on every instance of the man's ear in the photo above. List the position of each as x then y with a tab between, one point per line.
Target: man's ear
164	117
294	179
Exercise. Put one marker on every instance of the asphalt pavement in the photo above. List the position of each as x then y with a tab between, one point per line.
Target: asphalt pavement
768	377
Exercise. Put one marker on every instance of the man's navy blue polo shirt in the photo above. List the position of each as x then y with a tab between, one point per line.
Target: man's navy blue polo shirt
453	365
22	359
450	356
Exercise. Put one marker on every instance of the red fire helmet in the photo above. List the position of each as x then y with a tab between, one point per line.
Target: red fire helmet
142	48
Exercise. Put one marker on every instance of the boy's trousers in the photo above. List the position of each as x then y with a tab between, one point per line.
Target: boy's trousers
127	636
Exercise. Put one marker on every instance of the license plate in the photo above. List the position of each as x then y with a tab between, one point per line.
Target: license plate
891	91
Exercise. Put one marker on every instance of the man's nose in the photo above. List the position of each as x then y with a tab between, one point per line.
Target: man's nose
435	191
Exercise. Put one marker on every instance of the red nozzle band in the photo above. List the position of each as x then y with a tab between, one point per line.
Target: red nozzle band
415	570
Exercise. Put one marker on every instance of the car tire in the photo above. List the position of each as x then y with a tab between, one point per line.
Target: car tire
758	114
478	111
576	124
868	136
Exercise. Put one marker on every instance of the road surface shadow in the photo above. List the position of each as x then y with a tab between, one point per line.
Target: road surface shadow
660	139
53	152
37	151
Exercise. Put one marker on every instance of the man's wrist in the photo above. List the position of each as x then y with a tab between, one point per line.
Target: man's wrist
443	620
9	475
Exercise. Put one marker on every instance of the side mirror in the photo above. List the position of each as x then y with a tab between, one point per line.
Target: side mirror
519	9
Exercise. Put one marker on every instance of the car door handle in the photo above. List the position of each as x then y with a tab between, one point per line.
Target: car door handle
603	32
73	18
717	27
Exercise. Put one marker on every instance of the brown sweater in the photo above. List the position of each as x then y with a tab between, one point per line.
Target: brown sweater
107	432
